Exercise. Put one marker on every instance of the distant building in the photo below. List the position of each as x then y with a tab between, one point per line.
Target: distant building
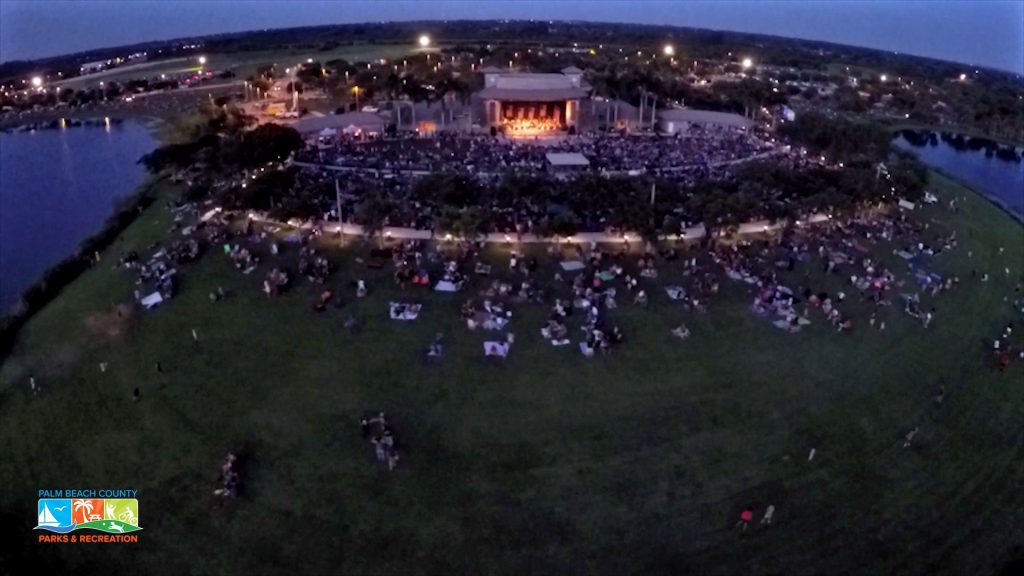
97	66
530	104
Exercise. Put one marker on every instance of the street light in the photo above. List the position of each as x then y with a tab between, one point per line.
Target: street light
747	63
37	81
883	77
424	41
669	50
963	77
202	60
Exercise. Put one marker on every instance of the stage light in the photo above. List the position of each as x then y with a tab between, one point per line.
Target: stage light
669	50
424	41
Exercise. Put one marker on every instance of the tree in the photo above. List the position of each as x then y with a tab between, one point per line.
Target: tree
268	143
372	212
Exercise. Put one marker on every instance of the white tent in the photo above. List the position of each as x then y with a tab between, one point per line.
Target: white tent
328	133
567	160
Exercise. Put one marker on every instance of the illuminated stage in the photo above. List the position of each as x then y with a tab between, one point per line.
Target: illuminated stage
533	105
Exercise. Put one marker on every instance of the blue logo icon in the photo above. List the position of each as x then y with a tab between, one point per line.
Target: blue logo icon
55	515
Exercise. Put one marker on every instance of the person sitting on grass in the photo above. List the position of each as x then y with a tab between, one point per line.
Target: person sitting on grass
681	332
641	298
435	349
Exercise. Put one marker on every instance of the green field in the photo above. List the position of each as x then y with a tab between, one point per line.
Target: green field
243	64
548	463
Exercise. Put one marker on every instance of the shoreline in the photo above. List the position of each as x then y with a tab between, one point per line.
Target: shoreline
965	132
992	198
52	281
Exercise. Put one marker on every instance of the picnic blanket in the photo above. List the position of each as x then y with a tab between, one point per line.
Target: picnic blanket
675	292
499	349
733	275
586	350
489	321
483	269
401	311
151	300
606	276
446	286
904	254
572	265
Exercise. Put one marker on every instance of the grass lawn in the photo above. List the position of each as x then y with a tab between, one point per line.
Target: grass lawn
242	64
547	463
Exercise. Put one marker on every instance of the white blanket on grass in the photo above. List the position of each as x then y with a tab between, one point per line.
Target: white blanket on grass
400	311
500	349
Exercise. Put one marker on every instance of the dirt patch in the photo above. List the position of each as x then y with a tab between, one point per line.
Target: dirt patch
113	324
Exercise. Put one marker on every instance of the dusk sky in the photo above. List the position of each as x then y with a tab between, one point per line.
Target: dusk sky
988	33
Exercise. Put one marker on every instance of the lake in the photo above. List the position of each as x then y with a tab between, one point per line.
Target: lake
999	178
56	189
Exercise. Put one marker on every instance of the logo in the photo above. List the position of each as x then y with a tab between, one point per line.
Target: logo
111	515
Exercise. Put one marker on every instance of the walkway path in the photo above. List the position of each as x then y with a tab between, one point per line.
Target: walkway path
693	233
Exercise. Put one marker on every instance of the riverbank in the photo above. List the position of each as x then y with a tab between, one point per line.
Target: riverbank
966	132
62	274
162	106
991	198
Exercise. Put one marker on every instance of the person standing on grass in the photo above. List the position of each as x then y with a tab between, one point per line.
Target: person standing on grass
910	437
32	385
745	517
769	513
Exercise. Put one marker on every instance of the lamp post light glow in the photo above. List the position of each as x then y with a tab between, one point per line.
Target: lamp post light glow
963	77
669	50
202	60
747	63
424	41
37	81
883	77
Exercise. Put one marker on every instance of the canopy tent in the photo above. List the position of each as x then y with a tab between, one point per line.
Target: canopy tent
567	160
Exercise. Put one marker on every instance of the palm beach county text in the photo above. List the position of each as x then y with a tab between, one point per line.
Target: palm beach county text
127	493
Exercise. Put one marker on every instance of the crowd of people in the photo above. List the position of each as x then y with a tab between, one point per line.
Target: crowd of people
696	146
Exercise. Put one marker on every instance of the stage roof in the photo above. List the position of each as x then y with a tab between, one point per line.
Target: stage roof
567	159
533	88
